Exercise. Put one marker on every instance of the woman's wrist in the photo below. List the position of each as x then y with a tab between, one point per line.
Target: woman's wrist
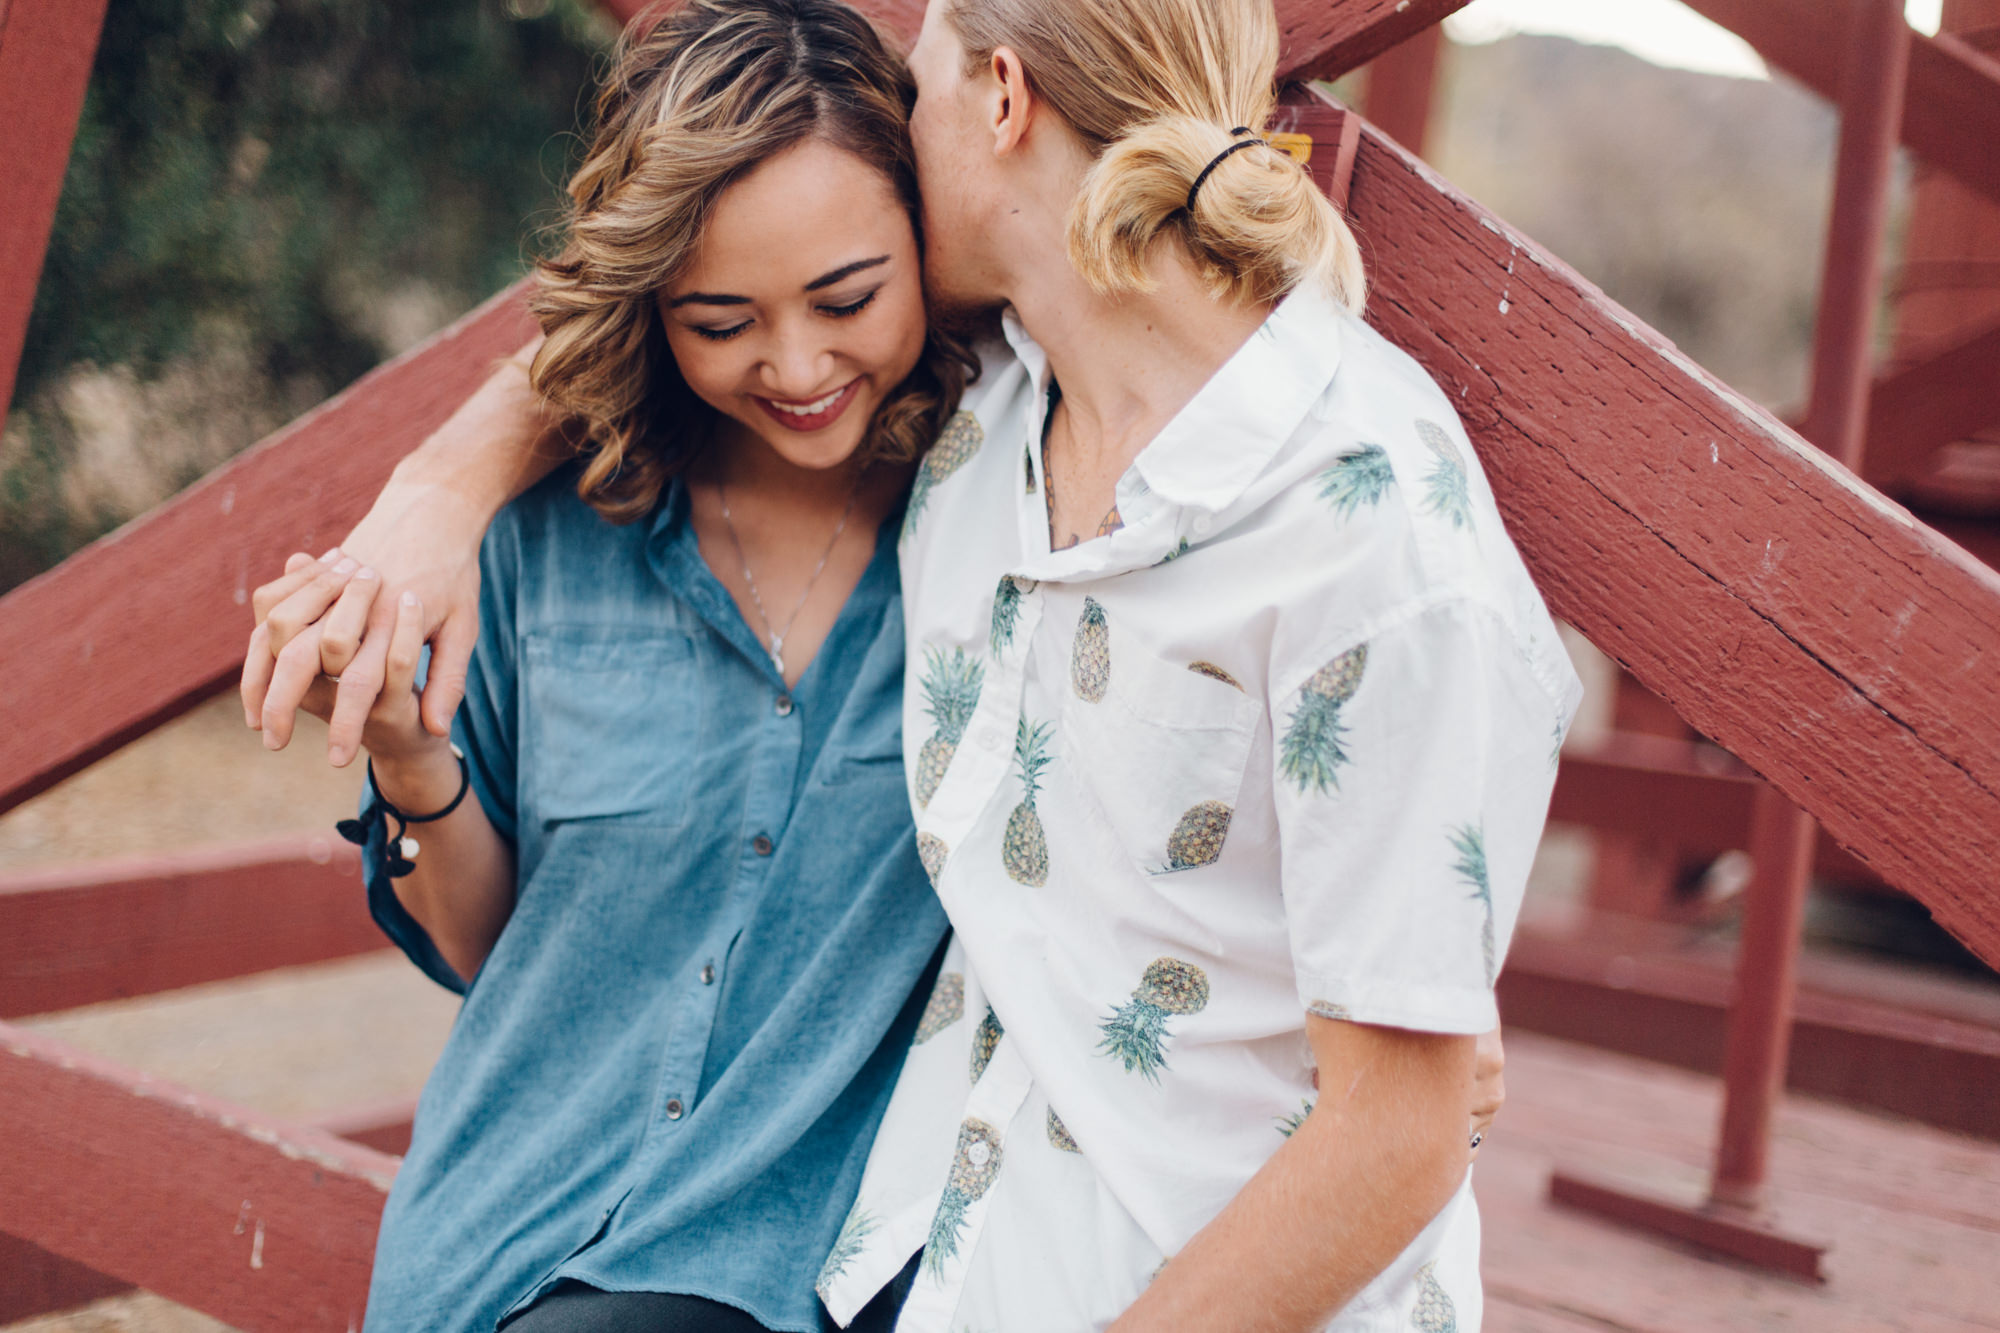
418	781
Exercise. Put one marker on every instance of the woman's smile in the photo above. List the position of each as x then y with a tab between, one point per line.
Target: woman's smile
813	414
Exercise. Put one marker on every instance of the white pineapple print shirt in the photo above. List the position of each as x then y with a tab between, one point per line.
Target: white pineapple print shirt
1282	743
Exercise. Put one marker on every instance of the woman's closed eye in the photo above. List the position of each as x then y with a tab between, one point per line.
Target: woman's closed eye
847	311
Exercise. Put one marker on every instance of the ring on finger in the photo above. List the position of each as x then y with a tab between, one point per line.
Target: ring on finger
328	675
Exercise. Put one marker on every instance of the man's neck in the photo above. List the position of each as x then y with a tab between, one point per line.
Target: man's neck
1128	365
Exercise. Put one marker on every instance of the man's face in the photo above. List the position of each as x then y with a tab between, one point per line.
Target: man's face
955	167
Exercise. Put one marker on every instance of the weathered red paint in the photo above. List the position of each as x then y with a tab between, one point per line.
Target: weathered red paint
1402	82
1952	113
384	1126
46	47
1785	609
1332	138
146	622
34	1282
1722	1229
79	934
264	1225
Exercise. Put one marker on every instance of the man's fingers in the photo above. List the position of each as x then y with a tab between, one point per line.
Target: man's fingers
360	687
257	664
294	672
309	602
451	656
406	648
300	569
341	628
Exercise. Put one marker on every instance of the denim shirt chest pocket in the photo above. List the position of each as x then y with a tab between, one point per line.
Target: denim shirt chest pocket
611	719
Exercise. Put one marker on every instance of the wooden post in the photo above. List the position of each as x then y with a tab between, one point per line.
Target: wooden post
1401	84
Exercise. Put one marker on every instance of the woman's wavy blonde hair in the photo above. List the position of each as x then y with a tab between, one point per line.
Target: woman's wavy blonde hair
690	106
1155	89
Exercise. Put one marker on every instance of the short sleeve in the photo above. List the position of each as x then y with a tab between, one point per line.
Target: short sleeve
1412	779
484	730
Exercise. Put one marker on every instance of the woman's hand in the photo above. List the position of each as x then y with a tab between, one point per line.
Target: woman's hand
1489	1085
334	616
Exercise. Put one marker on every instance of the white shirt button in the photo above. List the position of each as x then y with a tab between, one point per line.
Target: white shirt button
979	1154
674	1108
784	705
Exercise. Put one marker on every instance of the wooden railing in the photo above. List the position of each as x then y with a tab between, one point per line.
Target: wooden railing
1781	605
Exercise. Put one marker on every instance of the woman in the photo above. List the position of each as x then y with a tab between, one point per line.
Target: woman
1214	577
685	910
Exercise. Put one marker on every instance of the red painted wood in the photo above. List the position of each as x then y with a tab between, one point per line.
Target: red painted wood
264	1225
1782	607
1331	138
147	622
1401	85
1654	788
80	934
1724	1231
34	1282
46	47
1324	39
384	1126
1887	1053
1951	116
1916	411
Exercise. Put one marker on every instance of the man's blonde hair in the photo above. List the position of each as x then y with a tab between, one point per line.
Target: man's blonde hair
1154	88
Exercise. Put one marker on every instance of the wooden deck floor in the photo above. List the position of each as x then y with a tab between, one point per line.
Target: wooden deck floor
1913	1213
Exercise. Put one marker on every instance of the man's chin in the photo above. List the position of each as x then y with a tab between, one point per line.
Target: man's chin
969	318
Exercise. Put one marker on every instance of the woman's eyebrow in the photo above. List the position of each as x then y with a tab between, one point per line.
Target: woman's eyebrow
844	271
823	280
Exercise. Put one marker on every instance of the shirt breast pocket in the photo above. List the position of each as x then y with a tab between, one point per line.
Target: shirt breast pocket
1162	753
613	723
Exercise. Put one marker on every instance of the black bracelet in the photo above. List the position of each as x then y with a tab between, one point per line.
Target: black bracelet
399	852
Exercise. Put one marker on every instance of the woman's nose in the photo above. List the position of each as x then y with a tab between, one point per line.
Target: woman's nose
797	367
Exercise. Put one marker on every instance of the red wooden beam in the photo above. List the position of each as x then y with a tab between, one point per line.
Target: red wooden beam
261	1224
46	47
1918	410
1655	788
1402	85
34	1282
1934	1068
77	935
1951	115
1784	608
147	622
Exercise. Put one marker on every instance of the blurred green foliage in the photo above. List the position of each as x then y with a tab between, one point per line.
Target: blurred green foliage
270	167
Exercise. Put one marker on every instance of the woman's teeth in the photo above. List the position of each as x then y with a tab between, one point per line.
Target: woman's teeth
810	409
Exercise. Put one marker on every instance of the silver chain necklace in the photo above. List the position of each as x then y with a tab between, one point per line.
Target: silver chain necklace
778	635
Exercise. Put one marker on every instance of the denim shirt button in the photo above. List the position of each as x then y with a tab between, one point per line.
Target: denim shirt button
708	974
784	705
762	844
674	1108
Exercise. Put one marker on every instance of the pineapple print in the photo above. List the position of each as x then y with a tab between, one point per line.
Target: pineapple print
958	442
1434	1313
1181	548
985	1041
1359	478
1197	839
1469	841
1059	1134
1025	850
854	1233
1028	466
973	1167
1136	1033
1328	1009
1311	755
951	693
1288	1125
1446	490
945	1007
933	853
1214	672
1006	611
1090	658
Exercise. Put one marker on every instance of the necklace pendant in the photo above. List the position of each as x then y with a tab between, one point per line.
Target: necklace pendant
778	656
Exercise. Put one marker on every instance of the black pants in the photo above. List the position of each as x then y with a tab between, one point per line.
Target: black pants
572	1307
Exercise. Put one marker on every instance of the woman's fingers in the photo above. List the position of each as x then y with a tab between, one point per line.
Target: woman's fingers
406	647
340	629
360	688
300	569
257	665
295	672
307	603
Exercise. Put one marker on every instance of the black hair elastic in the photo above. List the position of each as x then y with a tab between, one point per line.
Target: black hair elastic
398	852
1216	161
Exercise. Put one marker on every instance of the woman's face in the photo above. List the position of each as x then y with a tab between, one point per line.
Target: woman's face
804	306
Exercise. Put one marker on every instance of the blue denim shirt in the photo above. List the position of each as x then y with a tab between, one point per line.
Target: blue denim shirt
667	1074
